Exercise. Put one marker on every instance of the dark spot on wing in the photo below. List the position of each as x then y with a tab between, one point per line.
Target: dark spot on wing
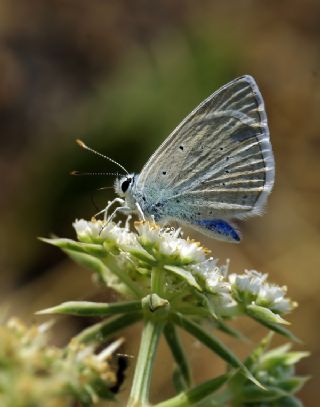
181	147
164	172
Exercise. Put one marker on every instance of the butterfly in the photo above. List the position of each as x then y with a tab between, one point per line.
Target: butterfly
215	167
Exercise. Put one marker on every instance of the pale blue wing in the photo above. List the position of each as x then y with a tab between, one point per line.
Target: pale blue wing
218	163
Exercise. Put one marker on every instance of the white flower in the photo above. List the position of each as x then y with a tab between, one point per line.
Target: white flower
165	242
248	283
87	231
284	306
137	252
273	297
252	288
188	251
97	231
224	305
212	276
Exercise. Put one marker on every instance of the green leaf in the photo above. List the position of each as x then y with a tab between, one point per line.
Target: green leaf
104	274
214	344
143	255
72	245
184	275
278	329
189	309
178	380
253	394
92	263
93	309
264	314
102	330
230	330
293	384
123	275
178	354
195	395
281	355
288	401
259	350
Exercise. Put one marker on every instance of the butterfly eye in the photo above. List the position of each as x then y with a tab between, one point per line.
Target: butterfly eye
125	184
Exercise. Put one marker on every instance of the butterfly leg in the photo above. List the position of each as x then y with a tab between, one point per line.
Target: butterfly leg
113	214
140	213
110	203
105	210
118	209
127	224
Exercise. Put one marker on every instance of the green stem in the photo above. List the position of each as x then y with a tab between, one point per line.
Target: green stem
178	354
142	376
157	279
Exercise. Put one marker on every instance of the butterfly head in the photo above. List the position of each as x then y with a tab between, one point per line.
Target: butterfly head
123	185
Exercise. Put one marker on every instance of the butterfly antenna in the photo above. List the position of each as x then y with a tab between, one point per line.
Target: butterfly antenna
79	173
83	145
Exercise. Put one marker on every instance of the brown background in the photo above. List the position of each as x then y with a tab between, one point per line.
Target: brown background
120	75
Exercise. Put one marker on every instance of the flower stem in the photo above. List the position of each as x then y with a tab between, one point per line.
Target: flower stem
157	278
142	376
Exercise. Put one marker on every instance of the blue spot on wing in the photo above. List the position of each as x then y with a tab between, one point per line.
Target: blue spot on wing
220	227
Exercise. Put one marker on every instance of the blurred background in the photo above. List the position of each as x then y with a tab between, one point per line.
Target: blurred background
121	75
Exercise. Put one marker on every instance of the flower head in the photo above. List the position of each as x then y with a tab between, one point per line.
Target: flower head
112	235
275	369
35	373
252	288
128	261
166	244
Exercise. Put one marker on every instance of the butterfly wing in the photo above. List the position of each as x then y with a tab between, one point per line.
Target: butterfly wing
218	163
